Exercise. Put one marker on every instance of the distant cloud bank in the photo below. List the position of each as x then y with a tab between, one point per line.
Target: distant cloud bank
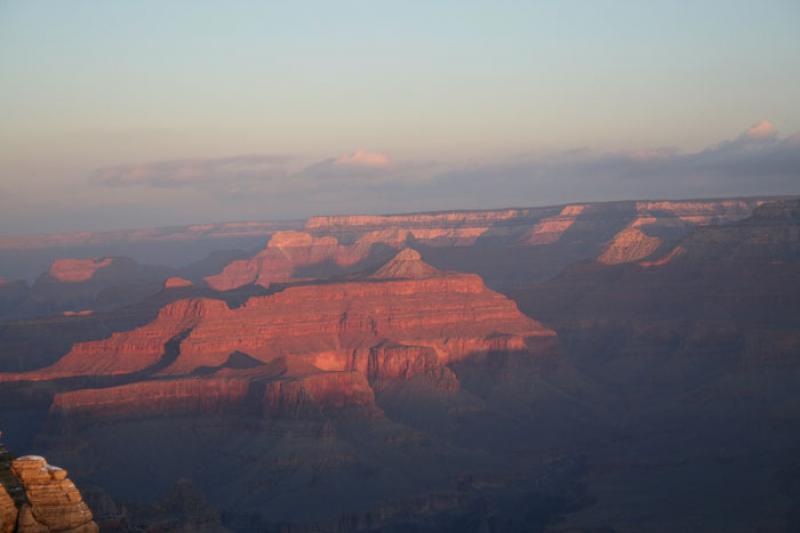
364	158
758	161
193	172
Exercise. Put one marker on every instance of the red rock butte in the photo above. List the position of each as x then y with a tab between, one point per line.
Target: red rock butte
408	319
406	301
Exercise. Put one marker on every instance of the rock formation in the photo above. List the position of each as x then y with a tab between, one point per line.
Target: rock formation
406	264
77	270
550	229
640	238
371	222
8	512
701	212
363	377
176	282
325	324
285	252
344	244
276	390
629	245
300	352
36	497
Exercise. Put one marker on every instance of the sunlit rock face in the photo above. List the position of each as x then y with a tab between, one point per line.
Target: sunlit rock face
47	501
279	390
657	223
8	512
407	301
176	282
285	252
301	367
550	229
77	270
288	253
477	218
629	245
129	351
541	240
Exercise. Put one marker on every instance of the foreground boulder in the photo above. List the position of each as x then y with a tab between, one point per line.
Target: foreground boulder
51	502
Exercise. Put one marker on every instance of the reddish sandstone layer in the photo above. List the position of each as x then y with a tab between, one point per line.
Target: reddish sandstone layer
417	219
128	351
77	270
462	228
275	390
325	324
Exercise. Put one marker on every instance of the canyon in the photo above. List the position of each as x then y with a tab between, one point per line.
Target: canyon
522	369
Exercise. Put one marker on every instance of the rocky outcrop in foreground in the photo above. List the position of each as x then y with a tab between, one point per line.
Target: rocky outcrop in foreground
36	497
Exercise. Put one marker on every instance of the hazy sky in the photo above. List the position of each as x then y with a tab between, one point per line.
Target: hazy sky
138	113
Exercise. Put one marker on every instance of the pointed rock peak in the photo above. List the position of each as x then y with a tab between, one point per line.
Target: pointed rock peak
408	254
407	263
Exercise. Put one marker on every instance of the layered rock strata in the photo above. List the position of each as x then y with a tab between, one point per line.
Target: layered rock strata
42	500
305	349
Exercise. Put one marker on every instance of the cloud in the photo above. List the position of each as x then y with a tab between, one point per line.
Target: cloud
228	171
358	165
761	130
242	173
362	158
756	162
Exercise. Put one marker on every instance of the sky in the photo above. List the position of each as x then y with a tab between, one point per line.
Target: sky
117	114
